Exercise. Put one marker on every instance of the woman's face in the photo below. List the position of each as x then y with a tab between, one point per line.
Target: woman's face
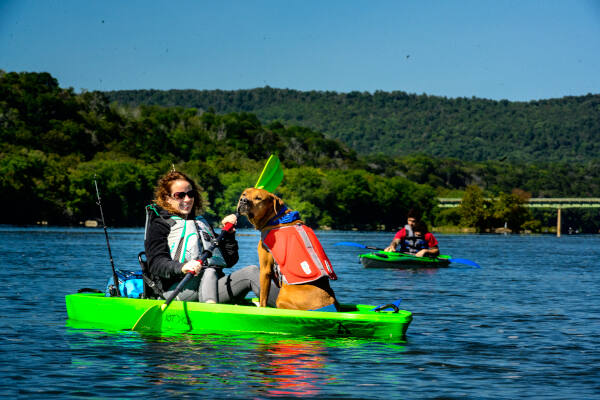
181	197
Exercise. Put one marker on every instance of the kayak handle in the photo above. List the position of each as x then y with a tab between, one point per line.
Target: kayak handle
383	307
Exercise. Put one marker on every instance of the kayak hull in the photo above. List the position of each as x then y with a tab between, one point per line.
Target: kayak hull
388	259
94	310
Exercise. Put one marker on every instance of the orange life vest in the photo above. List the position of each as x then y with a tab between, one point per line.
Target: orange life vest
298	254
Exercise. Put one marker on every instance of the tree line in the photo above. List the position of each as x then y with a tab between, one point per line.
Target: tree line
54	143
400	124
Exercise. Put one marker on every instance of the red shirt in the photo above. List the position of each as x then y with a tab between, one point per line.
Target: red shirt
429	238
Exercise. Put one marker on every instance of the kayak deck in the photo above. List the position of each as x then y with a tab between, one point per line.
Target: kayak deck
94	310
392	259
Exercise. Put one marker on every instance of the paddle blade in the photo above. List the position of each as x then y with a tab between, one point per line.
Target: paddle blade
271	175
361	246
159	318
352	244
150	320
465	261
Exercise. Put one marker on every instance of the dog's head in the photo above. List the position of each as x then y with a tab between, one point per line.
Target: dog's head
259	206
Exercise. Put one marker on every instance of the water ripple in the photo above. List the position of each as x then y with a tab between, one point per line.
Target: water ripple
524	325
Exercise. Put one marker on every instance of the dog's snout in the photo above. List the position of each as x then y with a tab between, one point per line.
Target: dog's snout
243	205
244	202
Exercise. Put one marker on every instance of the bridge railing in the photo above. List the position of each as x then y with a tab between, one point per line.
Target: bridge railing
538	202
555	203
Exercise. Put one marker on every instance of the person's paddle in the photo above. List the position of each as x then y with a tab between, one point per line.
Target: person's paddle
271	175
362	246
151	319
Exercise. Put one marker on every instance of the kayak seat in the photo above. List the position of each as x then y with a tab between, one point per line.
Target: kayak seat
151	289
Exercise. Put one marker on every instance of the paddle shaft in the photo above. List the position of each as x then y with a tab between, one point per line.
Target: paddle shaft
112	264
205	254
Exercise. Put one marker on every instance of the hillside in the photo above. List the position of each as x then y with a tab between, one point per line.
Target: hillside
400	124
55	144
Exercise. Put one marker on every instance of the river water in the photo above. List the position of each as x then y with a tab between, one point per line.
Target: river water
525	325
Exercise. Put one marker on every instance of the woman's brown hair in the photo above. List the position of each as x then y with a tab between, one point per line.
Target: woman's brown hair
163	190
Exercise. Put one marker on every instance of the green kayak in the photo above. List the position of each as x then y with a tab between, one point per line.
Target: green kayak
392	259
95	310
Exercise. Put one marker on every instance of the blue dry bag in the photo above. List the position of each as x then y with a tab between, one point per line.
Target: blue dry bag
131	284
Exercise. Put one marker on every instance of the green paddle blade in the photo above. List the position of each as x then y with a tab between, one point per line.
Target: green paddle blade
149	321
158	318
271	175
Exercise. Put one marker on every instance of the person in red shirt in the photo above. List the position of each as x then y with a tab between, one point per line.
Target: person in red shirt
415	239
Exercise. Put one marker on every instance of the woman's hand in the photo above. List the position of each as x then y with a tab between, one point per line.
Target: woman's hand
231	218
193	266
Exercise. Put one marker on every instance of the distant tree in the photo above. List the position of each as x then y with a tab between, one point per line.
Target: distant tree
510	209
474	209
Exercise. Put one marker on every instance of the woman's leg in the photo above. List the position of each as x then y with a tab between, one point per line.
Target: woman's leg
238	284
189	291
208	285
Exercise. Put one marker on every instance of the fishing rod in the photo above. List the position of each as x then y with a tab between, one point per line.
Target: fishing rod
115	278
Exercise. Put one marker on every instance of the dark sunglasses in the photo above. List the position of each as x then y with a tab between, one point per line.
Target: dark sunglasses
181	195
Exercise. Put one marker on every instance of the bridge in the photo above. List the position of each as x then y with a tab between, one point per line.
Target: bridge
540	202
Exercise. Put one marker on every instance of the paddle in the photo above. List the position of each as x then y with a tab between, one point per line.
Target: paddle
271	175
362	246
464	261
152	318
455	260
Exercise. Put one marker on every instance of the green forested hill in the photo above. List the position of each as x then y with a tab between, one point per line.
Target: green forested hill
53	142
399	124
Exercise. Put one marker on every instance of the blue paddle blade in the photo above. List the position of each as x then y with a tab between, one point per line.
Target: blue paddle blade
362	246
465	261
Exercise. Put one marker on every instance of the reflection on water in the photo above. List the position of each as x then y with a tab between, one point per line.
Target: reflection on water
268	365
293	367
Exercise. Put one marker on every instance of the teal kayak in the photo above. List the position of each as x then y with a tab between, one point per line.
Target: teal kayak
392	259
95	310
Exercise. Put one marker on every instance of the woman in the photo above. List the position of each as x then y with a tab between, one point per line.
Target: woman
176	236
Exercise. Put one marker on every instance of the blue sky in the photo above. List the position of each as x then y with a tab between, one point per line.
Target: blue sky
517	50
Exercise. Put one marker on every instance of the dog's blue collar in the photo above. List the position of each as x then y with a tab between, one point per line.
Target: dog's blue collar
283	218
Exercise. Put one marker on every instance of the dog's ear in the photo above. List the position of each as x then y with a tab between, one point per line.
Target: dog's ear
277	204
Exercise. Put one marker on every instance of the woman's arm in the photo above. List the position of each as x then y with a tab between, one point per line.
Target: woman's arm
157	252
229	249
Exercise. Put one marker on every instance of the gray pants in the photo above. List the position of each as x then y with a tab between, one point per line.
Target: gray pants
228	289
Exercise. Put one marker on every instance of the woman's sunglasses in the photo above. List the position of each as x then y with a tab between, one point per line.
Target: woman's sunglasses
181	195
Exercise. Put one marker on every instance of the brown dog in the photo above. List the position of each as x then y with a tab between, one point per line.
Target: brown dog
261	207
